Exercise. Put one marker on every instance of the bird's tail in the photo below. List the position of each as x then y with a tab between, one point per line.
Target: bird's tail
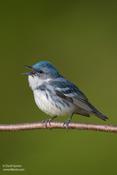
97	113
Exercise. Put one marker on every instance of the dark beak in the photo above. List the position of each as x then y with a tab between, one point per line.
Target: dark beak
29	67
27	73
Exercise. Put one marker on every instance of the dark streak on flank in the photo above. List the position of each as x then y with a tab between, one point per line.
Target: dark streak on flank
46	95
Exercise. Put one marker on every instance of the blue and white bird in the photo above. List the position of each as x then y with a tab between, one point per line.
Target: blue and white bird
57	96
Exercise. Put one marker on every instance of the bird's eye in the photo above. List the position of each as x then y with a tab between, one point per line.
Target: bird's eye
40	71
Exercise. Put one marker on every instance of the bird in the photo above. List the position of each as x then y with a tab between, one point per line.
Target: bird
57	96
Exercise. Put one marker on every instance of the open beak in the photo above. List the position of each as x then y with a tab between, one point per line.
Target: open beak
28	73
29	67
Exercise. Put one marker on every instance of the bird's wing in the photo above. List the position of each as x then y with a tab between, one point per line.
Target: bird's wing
68	91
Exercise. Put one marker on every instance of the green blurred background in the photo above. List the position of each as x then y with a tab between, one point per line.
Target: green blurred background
80	39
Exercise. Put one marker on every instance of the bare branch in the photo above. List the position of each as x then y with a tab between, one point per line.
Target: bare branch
58	125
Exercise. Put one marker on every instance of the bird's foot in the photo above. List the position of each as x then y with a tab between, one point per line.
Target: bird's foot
48	121
66	123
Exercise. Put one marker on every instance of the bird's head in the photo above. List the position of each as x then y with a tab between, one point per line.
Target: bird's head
40	72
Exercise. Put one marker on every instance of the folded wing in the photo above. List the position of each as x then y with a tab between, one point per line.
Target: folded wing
68	91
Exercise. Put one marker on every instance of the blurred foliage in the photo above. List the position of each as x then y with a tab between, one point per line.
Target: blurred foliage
80	39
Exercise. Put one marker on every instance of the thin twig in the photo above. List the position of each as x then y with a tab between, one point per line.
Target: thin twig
58	125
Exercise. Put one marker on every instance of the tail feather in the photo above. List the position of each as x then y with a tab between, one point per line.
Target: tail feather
100	115
97	113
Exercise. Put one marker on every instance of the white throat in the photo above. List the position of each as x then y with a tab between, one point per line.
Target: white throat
35	81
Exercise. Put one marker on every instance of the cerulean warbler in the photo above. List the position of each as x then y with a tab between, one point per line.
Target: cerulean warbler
57	96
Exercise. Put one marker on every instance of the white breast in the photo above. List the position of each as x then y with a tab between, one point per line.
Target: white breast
44	104
49	107
47	104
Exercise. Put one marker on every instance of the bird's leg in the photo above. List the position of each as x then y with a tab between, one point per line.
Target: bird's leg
52	118
48	121
67	122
